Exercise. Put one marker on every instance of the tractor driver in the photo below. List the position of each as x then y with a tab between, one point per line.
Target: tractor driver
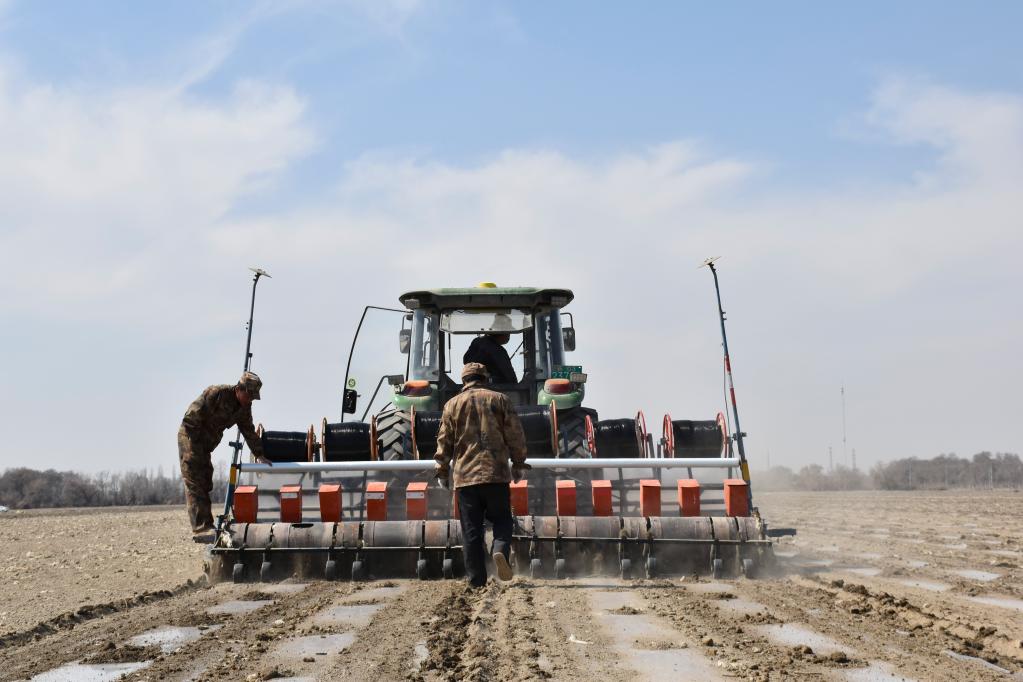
218	408
488	350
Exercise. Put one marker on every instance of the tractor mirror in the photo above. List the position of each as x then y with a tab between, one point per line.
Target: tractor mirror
568	337
405	340
348	401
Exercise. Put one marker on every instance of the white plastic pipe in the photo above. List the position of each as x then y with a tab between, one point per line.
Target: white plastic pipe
428	464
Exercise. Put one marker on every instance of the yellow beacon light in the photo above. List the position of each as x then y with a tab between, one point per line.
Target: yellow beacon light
486	285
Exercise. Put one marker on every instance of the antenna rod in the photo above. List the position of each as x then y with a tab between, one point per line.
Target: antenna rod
236	444
252	309
738	435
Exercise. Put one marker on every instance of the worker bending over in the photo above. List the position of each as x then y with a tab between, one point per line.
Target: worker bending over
218	408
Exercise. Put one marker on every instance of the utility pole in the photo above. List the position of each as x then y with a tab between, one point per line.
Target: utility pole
845	456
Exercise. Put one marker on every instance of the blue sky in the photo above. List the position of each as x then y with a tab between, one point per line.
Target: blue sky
857	167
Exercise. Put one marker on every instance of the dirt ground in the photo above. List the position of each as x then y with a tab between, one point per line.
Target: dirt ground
876	586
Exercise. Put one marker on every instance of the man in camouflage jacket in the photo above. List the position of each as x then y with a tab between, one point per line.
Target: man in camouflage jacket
479	433
218	408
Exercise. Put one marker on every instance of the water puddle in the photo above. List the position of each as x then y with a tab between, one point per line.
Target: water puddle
238	607
355	615
601	582
817	564
674	664
419	655
283	588
170	638
314	645
1004	602
788	634
742	606
611	601
702	588
976	661
99	672
983	576
376	593
657	664
874	672
864	570
925	585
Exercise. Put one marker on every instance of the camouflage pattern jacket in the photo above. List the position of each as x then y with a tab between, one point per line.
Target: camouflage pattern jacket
479	432
214	411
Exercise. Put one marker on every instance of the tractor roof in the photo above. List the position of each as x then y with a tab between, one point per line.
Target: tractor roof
488	297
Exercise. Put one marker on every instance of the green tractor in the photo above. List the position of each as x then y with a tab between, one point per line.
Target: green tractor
547	393
600	497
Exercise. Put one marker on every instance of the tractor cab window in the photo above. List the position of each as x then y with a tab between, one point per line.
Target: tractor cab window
549	348
464	326
424	360
483	321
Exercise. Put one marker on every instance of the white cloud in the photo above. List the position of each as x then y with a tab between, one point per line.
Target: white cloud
833	284
978	135
112	200
101	190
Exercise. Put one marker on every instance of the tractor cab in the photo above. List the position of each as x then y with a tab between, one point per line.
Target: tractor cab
526	322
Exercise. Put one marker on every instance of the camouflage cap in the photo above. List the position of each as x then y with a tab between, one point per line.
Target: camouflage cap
251	383
477	368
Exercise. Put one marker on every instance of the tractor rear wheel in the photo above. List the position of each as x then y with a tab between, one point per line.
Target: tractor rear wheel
394	435
572	442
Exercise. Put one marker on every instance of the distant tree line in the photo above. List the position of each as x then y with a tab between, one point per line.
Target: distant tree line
983	470
30	489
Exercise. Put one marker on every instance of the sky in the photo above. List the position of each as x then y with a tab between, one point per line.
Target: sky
858	168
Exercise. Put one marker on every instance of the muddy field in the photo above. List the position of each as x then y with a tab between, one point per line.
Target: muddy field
876	586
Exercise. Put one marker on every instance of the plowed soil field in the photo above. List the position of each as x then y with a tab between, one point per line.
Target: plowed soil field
876	586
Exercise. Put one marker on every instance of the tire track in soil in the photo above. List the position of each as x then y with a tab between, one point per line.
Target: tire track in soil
70	619
732	640
235	652
885	631
106	626
517	631
449	636
926	628
385	648
567	605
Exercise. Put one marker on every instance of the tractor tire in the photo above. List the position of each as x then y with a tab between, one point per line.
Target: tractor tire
572	433
394	435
